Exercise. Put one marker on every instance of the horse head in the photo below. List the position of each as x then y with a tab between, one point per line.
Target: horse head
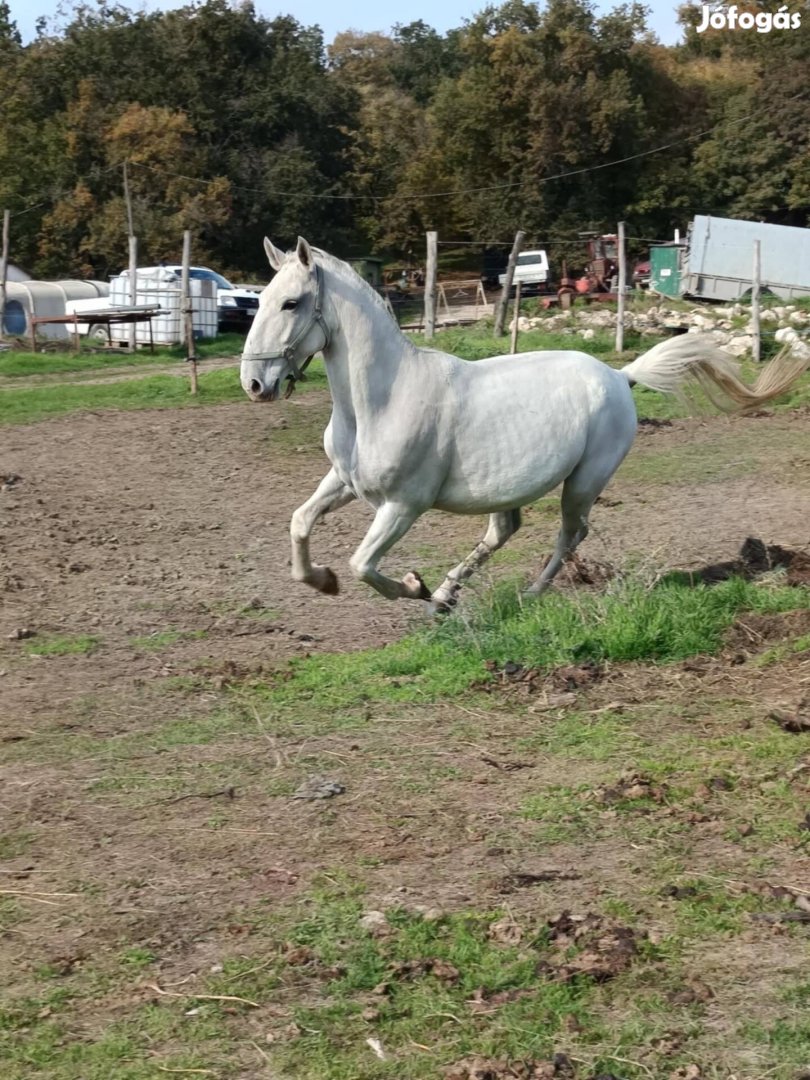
289	327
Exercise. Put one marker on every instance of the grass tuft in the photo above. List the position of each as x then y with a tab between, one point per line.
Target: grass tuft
63	646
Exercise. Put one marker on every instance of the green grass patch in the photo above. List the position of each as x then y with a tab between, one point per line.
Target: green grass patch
14	364
430	969
586	738
627	623
477	343
37	1039
15	843
62	646
162	639
782	651
27	405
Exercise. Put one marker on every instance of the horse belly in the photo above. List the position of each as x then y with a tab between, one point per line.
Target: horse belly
512	465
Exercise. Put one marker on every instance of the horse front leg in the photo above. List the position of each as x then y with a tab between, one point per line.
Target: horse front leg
501	527
330	494
390	524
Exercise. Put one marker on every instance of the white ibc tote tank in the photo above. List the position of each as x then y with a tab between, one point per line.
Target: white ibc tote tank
163	287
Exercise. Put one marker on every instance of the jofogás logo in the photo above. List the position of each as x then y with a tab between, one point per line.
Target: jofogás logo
731	18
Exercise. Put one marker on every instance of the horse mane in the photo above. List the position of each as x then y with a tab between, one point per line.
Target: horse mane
344	270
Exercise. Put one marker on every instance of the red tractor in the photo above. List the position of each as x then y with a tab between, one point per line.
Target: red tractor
600	281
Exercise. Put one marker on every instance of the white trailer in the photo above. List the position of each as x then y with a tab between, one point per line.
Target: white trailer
719	258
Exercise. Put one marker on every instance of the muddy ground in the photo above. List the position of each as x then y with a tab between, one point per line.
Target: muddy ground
162	536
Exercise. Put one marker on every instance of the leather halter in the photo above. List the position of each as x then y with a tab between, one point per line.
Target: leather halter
288	352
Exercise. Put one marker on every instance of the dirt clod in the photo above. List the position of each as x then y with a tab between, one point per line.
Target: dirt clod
577	676
505	932
631	787
478	1068
318	787
795	722
757	558
686	1072
695	992
375	923
606	947
525	880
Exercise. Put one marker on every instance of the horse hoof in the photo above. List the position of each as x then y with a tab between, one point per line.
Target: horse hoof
325	581
417	590
438	607
438	611
533	592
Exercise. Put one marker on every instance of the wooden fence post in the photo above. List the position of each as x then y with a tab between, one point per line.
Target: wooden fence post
4	271
516	316
431	274
756	347
503	302
187	319
622	291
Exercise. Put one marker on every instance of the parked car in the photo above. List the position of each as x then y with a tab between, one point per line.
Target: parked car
236	307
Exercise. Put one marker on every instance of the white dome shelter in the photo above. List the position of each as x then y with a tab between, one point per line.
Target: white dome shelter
25	299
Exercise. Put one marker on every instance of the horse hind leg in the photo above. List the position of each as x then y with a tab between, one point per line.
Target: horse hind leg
610	441
576	508
501	527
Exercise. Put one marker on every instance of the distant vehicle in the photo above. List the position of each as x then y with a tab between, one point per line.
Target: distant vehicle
641	274
531	270
236	307
717	262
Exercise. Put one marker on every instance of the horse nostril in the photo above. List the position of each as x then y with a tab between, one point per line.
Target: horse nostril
255	386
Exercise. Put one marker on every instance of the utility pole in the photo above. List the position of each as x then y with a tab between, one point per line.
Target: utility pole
128	200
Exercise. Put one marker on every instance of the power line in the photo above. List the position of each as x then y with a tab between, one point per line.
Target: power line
52	196
403	197
400	197
545	243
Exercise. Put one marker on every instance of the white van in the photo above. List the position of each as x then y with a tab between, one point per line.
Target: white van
531	270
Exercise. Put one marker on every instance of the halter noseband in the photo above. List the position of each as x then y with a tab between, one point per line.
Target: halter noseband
288	352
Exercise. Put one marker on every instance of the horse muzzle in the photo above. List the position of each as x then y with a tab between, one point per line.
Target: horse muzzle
260	391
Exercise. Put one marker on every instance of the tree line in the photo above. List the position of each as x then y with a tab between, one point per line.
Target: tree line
233	125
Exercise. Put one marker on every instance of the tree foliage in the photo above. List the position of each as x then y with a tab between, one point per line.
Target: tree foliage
234	125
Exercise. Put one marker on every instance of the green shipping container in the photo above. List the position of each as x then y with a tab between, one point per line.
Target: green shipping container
665	269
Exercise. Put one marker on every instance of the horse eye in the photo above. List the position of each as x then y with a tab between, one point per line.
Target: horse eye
289	305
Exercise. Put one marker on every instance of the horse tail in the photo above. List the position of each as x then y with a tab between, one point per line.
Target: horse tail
676	363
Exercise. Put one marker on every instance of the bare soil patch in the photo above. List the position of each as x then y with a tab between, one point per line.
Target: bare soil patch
162	539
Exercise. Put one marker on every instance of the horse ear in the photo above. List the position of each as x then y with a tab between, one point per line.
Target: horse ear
274	255
304	253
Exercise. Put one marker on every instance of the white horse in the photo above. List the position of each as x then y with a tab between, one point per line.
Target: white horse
414	429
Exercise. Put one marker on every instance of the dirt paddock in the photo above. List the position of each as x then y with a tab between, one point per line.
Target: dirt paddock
144	558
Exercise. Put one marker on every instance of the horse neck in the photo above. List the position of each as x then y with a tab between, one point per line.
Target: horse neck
365	351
